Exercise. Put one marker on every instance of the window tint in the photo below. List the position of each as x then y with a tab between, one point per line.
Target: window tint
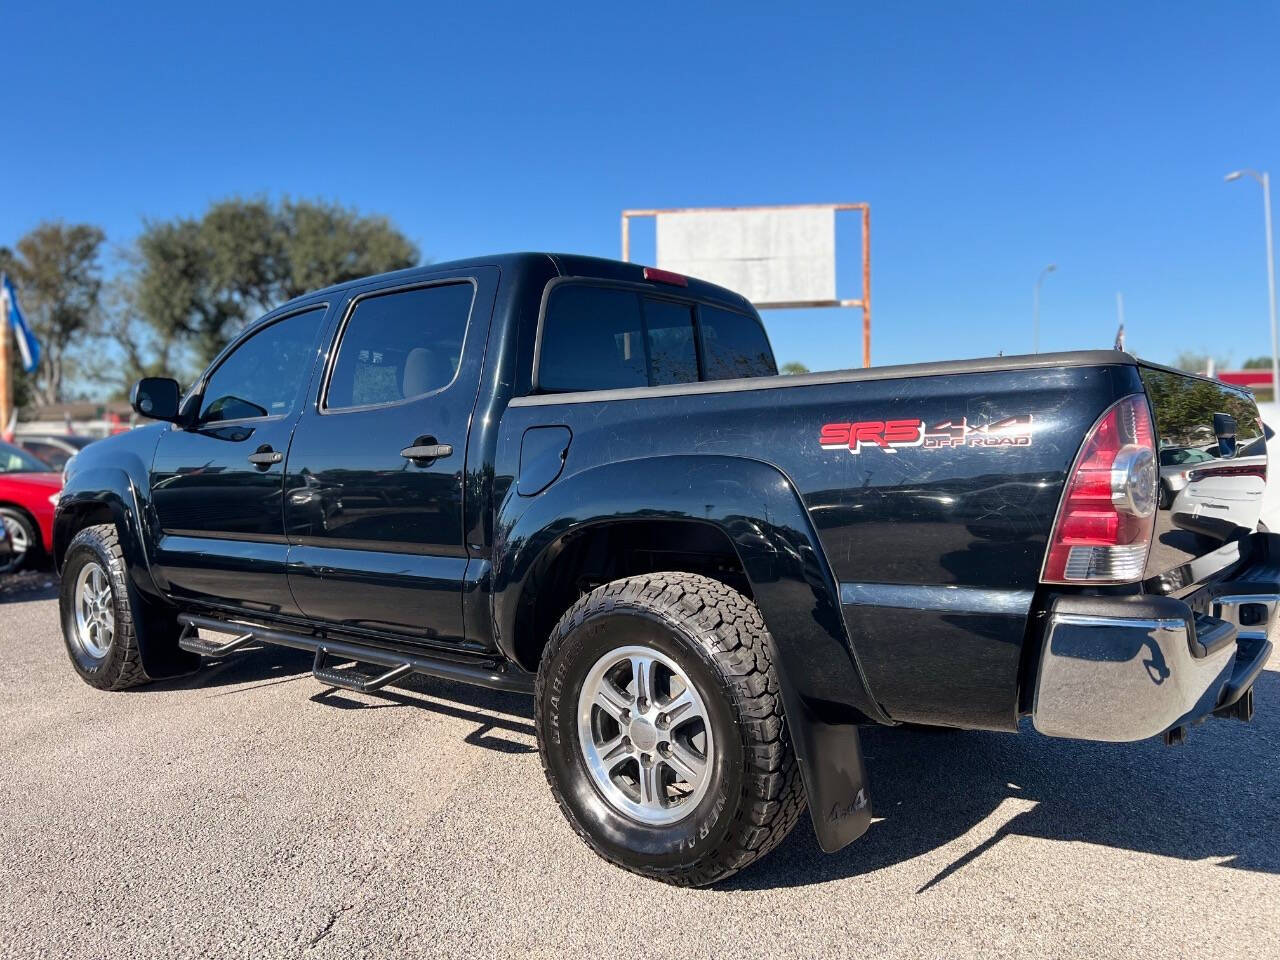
261	377
604	338
669	331
591	340
400	345
14	460
56	457
733	345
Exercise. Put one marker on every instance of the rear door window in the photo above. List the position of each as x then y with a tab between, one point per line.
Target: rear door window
733	345
400	345
592	339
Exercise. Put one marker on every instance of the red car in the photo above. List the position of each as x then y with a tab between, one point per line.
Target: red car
29	489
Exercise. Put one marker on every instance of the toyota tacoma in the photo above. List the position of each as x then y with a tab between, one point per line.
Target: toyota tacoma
585	480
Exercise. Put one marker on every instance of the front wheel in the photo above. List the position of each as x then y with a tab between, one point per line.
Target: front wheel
98	611
661	729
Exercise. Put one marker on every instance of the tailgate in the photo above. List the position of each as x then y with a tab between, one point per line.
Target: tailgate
1213	468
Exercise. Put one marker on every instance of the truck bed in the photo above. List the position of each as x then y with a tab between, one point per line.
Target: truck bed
936	534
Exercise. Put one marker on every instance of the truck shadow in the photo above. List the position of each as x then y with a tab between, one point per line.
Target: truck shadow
494	712
248	669
1213	798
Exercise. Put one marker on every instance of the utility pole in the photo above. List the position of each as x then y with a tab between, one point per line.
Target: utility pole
6	367
1264	178
1035	308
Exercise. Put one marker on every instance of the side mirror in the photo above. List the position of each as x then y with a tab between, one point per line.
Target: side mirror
156	398
1224	428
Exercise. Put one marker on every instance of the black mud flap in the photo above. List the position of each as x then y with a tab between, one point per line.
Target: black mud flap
835	781
158	641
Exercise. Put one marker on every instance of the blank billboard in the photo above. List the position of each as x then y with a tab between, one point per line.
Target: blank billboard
767	255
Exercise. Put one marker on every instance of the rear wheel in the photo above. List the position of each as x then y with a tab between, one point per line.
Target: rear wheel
661	728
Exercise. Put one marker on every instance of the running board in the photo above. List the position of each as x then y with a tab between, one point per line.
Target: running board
192	642
494	674
352	679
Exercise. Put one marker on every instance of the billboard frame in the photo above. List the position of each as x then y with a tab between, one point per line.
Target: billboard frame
863	303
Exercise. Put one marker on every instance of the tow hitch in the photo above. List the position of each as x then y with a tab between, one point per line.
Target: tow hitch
1236	698
1242	709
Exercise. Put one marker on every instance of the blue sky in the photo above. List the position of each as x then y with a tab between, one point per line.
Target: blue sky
990	139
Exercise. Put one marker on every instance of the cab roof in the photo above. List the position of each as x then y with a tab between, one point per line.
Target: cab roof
564	264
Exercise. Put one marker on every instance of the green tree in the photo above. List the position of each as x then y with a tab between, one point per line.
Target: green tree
195	283
322	244
147	350
57	270
1187	406
795	366
1198	361
1257	363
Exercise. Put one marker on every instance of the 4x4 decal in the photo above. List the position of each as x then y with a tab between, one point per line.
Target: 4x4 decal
891	435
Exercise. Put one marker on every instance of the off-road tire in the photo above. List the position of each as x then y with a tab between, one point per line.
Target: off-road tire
121	667
718	638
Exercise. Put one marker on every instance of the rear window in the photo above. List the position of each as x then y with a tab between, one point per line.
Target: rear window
734	345
606	338
669	335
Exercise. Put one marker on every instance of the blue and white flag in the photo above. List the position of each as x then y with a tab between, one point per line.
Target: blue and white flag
28	345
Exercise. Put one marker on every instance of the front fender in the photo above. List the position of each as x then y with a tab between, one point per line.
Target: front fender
824	690
91	496
93	492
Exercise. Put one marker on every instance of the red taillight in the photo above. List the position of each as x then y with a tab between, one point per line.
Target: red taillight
1107	517
1258	470
665	276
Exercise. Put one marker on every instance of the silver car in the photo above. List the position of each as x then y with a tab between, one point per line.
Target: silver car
1176	464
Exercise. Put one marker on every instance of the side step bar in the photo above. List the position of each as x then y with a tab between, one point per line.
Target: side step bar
487	673
192	642
352	679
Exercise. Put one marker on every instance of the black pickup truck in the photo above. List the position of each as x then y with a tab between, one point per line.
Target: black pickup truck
585	479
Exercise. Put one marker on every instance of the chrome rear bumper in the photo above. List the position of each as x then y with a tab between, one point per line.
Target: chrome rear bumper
1128	668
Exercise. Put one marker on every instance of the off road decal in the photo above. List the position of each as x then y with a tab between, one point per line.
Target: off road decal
892	435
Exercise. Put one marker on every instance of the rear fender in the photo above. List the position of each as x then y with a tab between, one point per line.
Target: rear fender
824	691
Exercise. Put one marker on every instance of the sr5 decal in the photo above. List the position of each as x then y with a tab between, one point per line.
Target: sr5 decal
892	435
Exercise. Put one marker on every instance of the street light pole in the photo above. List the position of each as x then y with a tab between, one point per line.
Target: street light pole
1264	178
1035	342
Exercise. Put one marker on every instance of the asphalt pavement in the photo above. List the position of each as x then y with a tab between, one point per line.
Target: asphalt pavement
247	812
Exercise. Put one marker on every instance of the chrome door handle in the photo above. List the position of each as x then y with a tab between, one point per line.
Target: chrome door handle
427	451
265	458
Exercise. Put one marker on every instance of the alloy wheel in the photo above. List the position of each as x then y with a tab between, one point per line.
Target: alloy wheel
645	735
95	615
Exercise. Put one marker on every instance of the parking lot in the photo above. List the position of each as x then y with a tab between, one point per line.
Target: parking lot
246	811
